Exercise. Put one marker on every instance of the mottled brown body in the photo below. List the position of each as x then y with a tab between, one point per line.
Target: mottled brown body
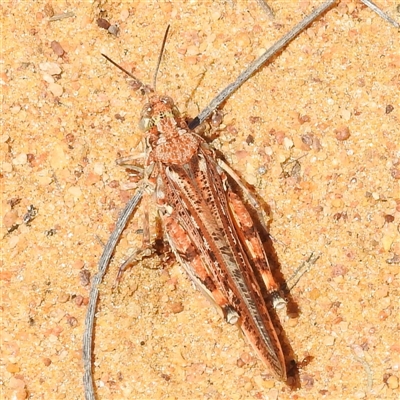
208	226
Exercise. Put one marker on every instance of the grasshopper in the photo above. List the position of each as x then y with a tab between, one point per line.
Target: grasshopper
207	224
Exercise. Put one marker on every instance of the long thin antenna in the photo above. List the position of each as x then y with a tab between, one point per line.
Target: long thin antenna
160	57
279	45
139	83
258	63
94	293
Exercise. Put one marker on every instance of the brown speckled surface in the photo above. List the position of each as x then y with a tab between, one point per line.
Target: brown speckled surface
60	137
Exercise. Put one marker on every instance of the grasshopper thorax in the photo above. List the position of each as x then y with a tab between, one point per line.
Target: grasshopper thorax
169	137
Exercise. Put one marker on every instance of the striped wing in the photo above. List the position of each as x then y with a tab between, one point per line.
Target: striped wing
203	220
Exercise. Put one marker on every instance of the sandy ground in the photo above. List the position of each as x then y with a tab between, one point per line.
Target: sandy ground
315	132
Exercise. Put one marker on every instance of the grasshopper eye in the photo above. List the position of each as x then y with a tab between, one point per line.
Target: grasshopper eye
146	121
147	111
167	101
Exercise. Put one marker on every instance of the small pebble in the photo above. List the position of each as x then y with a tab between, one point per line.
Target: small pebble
50	68
114	30
358	351
4	138
63	297
46	361
15	109
78	300
30	157
12	243
113	184
243	40
389	218
15	383
78	264
387	242
246	358
135	311
48	78
346	114
3	78
84	277
329	341
10	218
58	158
393	382
72	321
192	50
12	368
165	6
75	191
103	23
342	133
20	159
56	89
395	172
98	168
383	315
44	180
303	118
389	109
91	179
176	308
124	15
57	48
288	143
314	294
268	151
20	394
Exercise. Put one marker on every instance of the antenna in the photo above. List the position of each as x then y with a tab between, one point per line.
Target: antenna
160	57
139	83
141	86
278	46
281	43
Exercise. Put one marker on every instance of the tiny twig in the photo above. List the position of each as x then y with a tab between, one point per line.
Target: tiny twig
94	292
266	8
367	369
300	271
58	17
99	241
382	14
